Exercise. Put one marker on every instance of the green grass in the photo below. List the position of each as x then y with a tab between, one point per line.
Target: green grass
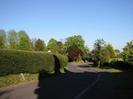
108	69
78	62
16	79
112	70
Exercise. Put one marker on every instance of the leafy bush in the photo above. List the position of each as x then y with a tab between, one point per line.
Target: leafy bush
126	66
14	61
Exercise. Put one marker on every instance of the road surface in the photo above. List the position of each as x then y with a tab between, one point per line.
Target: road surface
78	83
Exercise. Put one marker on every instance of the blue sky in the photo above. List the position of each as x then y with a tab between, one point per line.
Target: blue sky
111	20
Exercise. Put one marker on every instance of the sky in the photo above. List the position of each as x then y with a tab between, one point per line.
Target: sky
111	20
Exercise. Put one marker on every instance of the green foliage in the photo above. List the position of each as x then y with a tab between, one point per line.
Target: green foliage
56	47
16	79
105	56
108	69
39	45
79	61
102	53
2	38
118	53
75	46
52	46
111	50
97	53
63	62
24	42
12	39
74	41
74	53
16	61
60	46
99	44
128	52
13	61
1	42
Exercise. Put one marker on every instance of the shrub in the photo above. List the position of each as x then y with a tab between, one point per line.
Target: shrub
15	61
126	66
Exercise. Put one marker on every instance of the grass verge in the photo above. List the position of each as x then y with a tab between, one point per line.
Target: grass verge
14	79
111	70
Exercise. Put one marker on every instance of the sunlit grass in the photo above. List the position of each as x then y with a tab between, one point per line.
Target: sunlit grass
16	79
109	69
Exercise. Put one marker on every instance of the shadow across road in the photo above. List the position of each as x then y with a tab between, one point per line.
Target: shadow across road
75	86
63	86
70	85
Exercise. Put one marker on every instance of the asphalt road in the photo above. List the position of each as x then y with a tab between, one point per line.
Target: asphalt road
76	84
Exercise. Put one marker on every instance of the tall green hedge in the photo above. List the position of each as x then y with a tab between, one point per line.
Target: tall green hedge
15	61
63	62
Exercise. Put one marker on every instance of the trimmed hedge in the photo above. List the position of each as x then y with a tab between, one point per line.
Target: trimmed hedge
125	66
63	62
16	61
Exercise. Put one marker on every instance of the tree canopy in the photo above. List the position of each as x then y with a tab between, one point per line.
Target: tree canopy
39	45
24	42
12	39
111	50
52	45
75	46
128	52
2	38
99	51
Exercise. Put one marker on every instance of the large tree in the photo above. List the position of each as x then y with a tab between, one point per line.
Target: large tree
52	45
39	45
75	41
2	38
24	42
12	39
110	50
105	56
99	51
128	52
75	46
118	53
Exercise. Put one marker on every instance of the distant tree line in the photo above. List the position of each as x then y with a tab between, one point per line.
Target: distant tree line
105	53
74	47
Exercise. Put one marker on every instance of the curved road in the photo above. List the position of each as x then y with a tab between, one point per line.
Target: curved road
78	83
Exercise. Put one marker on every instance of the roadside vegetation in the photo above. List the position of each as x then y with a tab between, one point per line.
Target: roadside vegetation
108	69
21	54
14	79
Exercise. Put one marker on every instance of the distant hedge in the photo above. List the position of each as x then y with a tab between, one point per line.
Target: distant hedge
125	66
15	61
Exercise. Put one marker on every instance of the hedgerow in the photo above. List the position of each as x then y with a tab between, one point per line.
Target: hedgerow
15	61
63	62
